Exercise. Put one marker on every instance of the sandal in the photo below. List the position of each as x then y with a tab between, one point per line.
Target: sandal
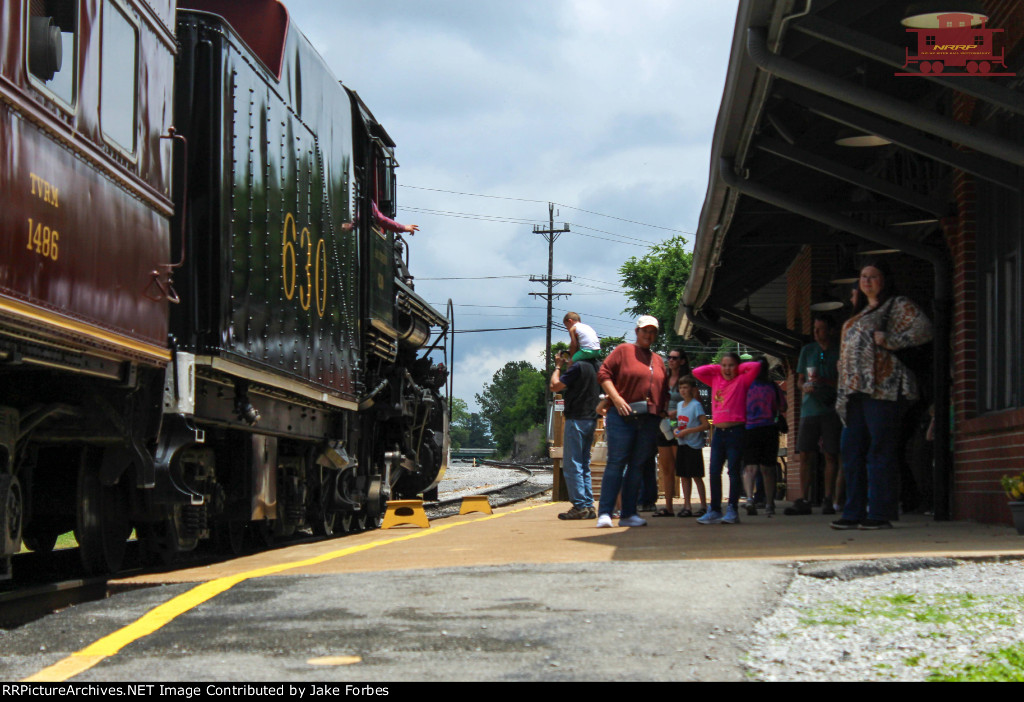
685	513
663	512
700	512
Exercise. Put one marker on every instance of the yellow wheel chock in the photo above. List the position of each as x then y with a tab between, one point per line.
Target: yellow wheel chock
405	512
475	503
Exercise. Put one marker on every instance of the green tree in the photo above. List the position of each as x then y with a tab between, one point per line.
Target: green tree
479	437
654	283
608	344
513	402
467	429
458	424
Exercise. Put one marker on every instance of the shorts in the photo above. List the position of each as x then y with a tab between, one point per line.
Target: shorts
689	462
662	441
825	428
761	446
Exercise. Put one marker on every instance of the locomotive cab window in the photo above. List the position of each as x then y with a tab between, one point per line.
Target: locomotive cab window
119	83
387	184
52	46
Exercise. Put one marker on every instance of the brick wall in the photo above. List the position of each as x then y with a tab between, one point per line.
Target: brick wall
985	446
806	281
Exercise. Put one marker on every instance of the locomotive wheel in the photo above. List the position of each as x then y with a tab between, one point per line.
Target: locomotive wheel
263	533
102	524
972	66
229	536
159	547
344	522
322	519
13	509
376	505
324	526
41	540
236	532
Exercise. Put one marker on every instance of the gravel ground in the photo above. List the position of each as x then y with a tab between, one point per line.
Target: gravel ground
930	623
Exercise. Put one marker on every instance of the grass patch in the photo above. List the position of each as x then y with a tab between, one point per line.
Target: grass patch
922	609
913	660
1004	665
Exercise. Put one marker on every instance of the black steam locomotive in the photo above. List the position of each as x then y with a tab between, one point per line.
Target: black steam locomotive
208	327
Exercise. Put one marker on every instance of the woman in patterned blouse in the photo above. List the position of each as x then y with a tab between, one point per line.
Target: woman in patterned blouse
872	382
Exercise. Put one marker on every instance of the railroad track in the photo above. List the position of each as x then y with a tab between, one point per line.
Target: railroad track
46	588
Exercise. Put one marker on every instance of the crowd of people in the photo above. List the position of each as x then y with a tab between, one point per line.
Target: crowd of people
854	389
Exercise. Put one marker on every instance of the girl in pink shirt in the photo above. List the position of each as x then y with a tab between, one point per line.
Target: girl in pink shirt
729	382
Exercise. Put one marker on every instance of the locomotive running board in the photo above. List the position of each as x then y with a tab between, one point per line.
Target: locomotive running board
106	343
294	387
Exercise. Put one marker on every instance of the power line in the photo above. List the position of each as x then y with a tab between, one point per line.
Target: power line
594	280
506	219
594	287
455	192
570	207
481	277
623	236
477	331
588	315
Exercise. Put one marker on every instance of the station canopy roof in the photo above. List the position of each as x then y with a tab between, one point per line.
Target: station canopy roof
805	77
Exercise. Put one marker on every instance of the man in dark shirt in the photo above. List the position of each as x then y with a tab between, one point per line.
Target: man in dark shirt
581	392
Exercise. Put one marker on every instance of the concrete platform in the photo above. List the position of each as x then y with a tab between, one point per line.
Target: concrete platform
531	533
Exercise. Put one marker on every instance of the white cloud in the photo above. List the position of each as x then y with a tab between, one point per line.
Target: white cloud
602	105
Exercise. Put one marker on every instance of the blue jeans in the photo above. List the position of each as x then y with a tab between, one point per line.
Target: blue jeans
726	444
649	481
870	446
577	438
631	442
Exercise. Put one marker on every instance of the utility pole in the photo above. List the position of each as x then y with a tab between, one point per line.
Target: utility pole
551	234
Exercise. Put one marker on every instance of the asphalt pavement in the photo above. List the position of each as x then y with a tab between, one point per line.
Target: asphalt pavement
514	595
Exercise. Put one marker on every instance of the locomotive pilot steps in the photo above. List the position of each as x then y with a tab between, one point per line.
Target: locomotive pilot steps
205	327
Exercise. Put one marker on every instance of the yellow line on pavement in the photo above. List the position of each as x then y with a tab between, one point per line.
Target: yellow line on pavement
159	616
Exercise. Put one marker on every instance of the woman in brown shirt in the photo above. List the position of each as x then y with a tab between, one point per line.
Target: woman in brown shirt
634	378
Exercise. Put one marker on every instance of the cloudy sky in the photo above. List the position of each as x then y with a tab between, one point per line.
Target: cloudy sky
606	107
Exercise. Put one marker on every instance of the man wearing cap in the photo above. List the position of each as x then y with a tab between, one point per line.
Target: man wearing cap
634	378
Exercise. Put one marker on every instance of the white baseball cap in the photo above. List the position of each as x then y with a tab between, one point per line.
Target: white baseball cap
647	321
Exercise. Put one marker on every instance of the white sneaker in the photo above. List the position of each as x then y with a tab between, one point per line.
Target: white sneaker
604	521
634	521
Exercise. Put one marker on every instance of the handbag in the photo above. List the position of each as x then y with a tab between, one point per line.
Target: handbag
916	359
638	408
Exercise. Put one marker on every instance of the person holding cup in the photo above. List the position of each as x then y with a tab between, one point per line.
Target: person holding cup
819	424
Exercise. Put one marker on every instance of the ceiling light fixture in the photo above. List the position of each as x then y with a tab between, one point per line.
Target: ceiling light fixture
878	252
915	222
853	138
829	304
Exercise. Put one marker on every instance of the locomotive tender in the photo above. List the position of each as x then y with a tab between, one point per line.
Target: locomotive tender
205	328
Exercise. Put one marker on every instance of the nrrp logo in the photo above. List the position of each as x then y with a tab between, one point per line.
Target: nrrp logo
947	43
